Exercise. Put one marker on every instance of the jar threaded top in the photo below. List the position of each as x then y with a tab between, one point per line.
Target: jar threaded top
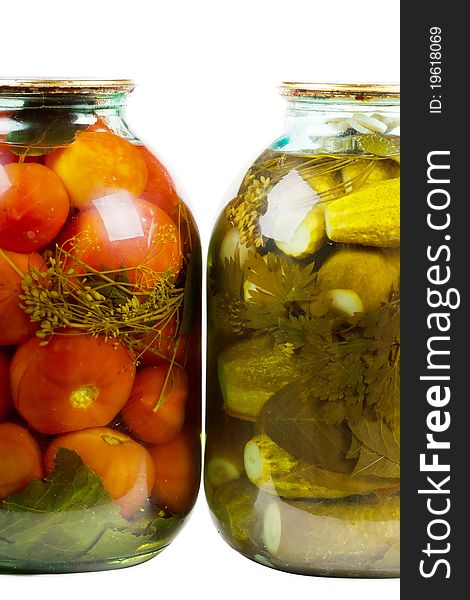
351	91
66	86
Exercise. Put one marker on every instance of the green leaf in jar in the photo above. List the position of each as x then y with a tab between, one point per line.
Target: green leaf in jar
377	436
372	464
70	517
42	130
379	145
376	447
279	279
139	537
280	286
357	366
381	329
333	359
297	422
72	486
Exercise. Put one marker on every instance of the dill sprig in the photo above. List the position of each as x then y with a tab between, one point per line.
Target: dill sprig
71	294
244	211
251	202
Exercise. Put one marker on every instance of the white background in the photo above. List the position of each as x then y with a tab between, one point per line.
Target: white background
207	74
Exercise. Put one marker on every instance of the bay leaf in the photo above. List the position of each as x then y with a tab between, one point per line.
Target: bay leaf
377	436
372	464
294	418
355	448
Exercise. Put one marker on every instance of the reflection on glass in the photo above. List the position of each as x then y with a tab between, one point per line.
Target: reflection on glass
119	215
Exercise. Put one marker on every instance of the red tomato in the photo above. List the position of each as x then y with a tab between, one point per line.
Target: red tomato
97	164
176	480
161	347
15	325
160	189
5	399
125	233
20	459
125	466
33	206
156	407
76	381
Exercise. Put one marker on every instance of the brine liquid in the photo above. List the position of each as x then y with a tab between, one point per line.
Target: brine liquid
99	347
302	454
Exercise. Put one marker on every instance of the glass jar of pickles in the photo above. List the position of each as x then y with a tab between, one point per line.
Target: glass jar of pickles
99	334
303	431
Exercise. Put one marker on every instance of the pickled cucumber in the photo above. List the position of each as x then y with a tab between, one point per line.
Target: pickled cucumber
222	469
332	535
224	451
356	174
369	216
372	274
233	504
250	372
267	466
276	471
325	184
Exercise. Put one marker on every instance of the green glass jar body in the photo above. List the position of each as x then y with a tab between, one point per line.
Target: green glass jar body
302	452
99	335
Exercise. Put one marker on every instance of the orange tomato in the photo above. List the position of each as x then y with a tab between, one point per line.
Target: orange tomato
5	397
34	206
176	480
125	466
160	189
97	164
126	235
76	381
156	407
15	325
160	348
20	459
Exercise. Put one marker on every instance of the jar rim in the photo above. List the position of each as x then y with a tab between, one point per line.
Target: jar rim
85	86
352	91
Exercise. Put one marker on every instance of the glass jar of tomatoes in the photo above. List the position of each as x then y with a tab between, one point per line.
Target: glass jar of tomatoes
303	451
99	334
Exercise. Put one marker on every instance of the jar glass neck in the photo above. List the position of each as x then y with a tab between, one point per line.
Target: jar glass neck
34	112
309	119
114	102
